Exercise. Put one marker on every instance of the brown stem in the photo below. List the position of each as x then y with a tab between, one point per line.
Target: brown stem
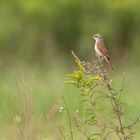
115	106
113	102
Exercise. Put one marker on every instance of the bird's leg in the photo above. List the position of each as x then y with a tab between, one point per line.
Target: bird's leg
100	59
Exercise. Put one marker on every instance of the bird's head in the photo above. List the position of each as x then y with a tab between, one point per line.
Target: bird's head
97	36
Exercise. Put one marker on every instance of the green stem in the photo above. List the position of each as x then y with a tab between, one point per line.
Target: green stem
68	114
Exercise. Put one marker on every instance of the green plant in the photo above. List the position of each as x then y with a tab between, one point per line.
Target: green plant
92	79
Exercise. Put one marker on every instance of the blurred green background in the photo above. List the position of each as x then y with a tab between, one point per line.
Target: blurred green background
36	37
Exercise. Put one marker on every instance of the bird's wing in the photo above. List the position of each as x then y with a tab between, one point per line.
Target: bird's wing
103	50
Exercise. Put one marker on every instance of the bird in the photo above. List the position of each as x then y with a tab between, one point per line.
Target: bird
101	50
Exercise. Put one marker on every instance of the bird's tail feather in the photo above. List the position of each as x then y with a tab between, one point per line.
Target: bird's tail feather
110	65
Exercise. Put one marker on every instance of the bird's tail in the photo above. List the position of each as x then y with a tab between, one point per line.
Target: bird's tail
110	65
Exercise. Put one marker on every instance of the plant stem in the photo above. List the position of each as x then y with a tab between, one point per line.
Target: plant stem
115	106
68	114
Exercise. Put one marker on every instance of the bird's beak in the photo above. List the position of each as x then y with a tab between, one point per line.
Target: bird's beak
94	37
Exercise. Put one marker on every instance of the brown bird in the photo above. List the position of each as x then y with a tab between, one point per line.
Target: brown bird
100	49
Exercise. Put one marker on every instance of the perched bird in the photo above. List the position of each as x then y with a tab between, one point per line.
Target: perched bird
100	49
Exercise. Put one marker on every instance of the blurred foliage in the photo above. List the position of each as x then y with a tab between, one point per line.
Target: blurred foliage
41	33
33	30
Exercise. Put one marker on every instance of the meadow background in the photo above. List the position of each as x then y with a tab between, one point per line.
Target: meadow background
36	37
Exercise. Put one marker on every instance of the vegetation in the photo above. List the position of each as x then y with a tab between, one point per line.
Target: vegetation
87	78
36	37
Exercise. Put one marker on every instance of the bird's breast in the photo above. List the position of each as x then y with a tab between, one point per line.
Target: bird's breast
97	50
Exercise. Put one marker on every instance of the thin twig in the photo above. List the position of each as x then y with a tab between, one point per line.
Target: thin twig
115	106
68	115
61	132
